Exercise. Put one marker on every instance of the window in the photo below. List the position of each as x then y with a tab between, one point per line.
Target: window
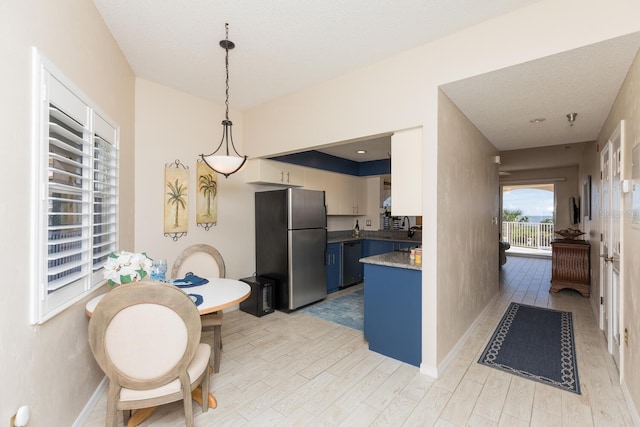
76	187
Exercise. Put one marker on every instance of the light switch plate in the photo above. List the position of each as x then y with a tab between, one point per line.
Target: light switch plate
368	223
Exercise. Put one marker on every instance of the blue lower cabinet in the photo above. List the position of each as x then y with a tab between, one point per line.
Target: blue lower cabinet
404	245
377	247
333	267
393	312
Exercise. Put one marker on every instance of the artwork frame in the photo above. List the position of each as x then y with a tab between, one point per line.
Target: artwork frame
176	196
206	196
586	198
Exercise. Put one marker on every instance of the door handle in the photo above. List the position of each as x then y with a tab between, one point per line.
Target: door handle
606	258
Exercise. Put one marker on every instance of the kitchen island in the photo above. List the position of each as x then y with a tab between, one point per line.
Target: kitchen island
344	250
393	306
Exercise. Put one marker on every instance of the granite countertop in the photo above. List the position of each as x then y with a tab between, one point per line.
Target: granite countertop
395	235
393	259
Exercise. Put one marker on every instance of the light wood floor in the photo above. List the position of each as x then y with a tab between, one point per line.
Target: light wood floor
296	370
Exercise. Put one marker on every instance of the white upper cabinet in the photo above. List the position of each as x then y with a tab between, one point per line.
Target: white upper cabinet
359	196
406	172
344	194
263	171
331	183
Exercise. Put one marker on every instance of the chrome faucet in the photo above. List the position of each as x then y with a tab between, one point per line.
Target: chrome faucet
410	230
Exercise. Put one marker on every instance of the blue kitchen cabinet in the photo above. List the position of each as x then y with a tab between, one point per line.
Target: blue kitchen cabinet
333	267
404	245
393	312
377	247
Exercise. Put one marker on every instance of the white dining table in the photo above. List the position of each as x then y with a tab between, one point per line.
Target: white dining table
217	294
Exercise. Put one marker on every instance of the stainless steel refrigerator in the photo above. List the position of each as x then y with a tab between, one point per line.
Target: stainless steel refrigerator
291	243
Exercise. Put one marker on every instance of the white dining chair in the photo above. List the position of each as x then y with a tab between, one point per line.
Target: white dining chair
204	261
146	339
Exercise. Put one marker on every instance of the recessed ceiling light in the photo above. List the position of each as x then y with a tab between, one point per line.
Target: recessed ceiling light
538	120
361	152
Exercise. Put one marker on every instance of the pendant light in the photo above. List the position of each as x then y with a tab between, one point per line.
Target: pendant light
225	163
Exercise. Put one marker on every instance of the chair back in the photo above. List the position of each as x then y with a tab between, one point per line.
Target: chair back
201	260
144	336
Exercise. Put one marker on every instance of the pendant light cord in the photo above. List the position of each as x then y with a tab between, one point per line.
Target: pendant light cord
226	65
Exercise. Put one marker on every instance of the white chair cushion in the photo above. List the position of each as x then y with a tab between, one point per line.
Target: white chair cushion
199	363
144	353
201	264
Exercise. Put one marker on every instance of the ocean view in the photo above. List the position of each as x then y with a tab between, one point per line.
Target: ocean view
537	218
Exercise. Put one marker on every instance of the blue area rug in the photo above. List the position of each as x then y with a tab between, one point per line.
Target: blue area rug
535	343
345	310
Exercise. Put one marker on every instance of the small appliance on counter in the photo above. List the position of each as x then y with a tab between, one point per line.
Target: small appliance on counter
260	302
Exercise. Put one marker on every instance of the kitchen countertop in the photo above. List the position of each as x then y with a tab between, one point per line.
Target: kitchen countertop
393	259
396	236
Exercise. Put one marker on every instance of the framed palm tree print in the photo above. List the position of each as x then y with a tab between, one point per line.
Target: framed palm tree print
207	196
176	206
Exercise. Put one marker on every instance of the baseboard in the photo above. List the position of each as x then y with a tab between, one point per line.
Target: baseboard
436	372
632	407
91	403
428	370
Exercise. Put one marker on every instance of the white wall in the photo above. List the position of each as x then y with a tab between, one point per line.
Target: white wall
468	199
50	367
172	125
627	108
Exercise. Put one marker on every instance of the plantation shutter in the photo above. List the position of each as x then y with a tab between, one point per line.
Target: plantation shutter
105	196
69	206
77	192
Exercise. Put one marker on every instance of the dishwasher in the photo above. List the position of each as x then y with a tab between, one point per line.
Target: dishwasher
351	266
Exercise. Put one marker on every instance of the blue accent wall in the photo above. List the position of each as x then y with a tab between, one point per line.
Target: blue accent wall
318	160
376	167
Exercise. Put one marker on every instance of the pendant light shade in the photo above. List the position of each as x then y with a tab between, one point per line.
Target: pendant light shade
224	161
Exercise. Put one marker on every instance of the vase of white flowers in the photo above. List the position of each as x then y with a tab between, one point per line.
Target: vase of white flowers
126	267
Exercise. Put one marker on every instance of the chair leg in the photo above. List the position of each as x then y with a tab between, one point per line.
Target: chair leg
217	348
213	337
126	414
188	404
112	407
204	386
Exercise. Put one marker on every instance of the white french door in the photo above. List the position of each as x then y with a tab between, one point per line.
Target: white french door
610	166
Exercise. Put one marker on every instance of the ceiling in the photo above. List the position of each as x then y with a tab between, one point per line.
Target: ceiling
298	43
585	81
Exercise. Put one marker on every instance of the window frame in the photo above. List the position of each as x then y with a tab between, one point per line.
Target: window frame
99	134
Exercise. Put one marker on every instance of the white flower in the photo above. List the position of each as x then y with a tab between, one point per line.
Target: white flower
126	267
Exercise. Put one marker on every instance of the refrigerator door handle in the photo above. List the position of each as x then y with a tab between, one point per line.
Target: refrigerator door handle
326	233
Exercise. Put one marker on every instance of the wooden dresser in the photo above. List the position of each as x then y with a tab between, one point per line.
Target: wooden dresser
570	266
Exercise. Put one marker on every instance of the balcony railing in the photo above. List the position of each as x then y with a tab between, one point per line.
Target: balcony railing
534	235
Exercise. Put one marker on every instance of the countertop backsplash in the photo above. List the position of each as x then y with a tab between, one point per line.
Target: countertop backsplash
399	235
